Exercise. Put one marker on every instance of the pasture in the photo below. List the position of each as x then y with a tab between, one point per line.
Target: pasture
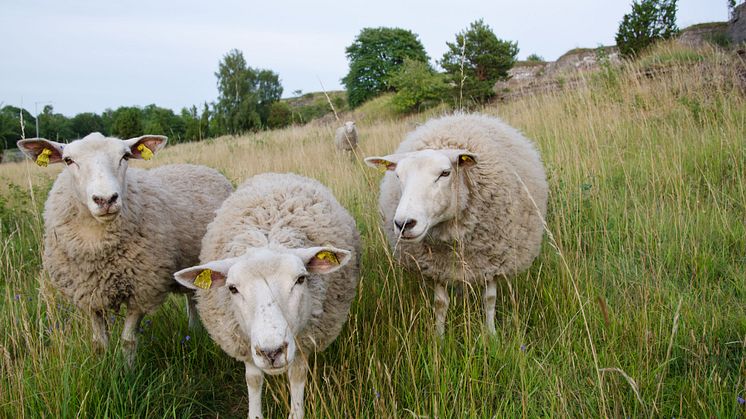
635	307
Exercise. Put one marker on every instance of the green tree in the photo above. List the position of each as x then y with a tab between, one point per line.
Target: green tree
476	60
648	22
127	122
244	94
374	56
535	58
280	115
85	123
10	126
163	121
417	86
54	126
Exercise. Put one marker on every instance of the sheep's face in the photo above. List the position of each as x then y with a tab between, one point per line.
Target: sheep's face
349	127
433	188
270	293
97	165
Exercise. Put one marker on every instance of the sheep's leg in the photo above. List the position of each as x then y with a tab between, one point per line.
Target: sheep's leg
192	314
297	373
441	307
100	331
129	335
254	381
488	300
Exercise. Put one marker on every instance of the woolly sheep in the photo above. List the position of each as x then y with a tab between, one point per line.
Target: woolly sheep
346	137
114	235
463	199
279	272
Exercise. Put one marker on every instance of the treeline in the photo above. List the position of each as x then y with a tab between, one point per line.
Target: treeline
248	100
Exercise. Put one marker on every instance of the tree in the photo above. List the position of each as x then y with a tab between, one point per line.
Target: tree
374	56
54	126
535	58
85	123
127	122
648	22
417	86
477	59
244	94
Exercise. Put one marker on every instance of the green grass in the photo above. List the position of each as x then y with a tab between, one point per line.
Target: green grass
636	306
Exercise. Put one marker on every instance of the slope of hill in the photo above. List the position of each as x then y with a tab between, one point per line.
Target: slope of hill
634	308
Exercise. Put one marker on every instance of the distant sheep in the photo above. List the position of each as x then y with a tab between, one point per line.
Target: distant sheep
346	137
115	235
463	199
280	269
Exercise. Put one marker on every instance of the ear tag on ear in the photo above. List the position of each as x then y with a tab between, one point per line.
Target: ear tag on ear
43	158
383	166
467	159
328	256
145	153
204	279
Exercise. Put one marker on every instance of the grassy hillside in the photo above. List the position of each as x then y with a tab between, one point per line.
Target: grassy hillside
636	306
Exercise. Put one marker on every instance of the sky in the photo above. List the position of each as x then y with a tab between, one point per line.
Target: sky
86	56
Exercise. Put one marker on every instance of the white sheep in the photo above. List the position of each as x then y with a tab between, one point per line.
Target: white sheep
115	235
463	199
346	137
280	269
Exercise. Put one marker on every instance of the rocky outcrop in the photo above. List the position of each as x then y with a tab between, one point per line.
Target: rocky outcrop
530	77
737	24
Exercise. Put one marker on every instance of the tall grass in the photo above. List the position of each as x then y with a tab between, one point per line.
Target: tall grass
636	306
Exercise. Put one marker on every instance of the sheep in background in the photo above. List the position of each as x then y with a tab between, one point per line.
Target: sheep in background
463	199
115	235
346	137
279	271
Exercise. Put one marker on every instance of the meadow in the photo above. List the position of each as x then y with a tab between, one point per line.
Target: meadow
636	306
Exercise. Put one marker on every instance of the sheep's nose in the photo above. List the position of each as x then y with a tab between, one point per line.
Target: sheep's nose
102	201
405	225
274	354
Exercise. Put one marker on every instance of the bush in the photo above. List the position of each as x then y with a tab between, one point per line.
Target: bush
417	86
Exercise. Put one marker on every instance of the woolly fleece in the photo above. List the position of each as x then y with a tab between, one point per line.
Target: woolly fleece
499	231
290	211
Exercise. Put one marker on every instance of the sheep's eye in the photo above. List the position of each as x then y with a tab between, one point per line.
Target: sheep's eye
445	173
301	279
126	156
233	289
68	161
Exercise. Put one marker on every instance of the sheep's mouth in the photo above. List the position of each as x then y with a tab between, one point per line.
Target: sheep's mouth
413	237
106	217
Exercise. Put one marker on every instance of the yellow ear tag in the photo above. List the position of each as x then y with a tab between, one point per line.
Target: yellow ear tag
204	279
327	255
43	158
146	155
466	159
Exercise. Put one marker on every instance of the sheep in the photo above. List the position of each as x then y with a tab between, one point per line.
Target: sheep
279	272
464	199
346	137
114	235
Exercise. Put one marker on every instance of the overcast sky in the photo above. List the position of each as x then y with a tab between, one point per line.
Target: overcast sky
86	56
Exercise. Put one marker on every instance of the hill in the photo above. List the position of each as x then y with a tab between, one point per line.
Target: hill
635	307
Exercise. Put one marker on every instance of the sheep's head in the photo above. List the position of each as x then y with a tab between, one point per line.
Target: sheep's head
270	293
433	187
349	127
97	165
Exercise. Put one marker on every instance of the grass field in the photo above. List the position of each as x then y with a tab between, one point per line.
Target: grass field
636	306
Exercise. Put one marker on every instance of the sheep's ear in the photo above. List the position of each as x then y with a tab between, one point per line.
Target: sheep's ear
385	163
41	150
145	146
206	276
323	260
461	158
